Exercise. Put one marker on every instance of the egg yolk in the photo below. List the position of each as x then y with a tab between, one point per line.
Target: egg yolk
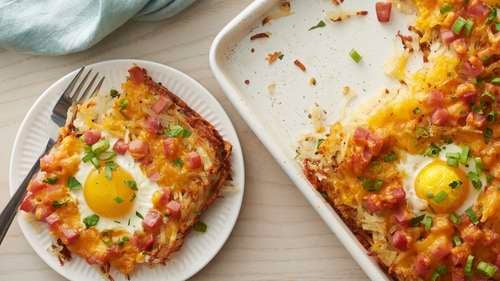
109	194
445	188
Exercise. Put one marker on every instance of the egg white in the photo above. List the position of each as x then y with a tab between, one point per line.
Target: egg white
142	202
411	165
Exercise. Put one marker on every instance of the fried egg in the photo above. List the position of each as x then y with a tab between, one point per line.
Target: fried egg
119	197
434	182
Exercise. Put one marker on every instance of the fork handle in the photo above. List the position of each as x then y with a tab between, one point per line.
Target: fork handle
10	210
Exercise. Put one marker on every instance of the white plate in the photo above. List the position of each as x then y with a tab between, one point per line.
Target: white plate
199	248
280	118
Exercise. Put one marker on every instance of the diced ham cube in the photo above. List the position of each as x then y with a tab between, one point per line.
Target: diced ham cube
161	104
138	149
37	184
170	147
459	255
395	197
70	235
43	211
469	97
447	36
457	274
383	10
372	203
400	240
422	265
154	176
144	242
166	196
478	9
476	120
440	117
27	204
153	125
441	251
47	162
120	147
91	136
194	160
137	74
435	99
174	209
52	219
472	68
402	217
152	220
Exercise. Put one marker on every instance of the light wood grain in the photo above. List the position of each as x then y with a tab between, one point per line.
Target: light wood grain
278	235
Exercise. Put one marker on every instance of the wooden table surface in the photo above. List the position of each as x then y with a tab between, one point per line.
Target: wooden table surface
278	235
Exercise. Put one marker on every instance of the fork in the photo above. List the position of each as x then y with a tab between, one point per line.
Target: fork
70	97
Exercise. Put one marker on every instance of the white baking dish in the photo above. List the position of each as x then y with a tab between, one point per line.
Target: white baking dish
279	117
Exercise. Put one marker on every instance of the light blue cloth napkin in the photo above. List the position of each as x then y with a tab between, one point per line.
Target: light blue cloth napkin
56	27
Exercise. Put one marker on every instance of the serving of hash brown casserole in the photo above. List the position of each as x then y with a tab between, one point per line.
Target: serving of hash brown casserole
131	173
417	179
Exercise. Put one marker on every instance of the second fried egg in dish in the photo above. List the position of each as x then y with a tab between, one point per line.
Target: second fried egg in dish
440	179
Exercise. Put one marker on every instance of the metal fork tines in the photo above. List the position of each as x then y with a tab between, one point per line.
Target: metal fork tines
74	95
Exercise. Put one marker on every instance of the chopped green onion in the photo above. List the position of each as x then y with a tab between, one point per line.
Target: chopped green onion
479	165
458	25
122	240
100	146
456	183
486	268
177	131
446	8
454	218
417	110
178	163
475	179
114	93
320	24
50	180
464	155
110	166
416	220
59	203
468	265
492	116
468	27
440	270
356	57
440	197
456	240
495	80
372	185
472	216
123	103
487	134
95	162
118	200
106	155
132	184
318	144
139	215
91	220
427	222
489	95
391	156
432	151
493	15
452	158
200	226
73	183
497	26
